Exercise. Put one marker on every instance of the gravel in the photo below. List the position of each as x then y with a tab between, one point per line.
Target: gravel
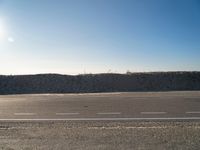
100	135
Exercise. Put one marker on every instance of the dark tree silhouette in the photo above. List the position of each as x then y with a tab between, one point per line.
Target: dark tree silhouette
55	83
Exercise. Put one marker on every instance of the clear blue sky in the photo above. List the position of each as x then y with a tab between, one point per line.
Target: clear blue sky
92	36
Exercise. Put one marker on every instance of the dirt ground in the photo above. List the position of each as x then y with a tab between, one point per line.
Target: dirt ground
102	135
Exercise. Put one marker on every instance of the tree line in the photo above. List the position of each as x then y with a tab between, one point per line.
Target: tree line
108	82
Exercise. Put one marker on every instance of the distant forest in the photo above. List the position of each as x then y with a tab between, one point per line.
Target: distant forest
109	82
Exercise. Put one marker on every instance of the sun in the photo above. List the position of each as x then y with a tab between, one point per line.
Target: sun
4	36
2	31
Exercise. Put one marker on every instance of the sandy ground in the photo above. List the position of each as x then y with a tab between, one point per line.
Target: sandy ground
102	135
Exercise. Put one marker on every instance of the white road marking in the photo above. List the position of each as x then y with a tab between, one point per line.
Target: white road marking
112	93
152	113
191	97
24	114
78	94
108	113
121	127
13	99
103	119
67	113
192	112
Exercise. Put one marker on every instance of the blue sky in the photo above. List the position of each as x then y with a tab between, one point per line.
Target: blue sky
94	36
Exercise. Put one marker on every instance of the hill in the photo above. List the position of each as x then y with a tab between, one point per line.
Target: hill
56	83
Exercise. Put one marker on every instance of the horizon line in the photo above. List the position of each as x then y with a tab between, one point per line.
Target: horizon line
128	72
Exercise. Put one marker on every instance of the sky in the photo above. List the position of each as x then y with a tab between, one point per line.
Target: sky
99	36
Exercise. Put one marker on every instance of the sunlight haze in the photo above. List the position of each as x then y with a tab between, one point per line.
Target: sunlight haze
99	36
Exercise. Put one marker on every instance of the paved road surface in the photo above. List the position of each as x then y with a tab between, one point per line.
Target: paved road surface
105	106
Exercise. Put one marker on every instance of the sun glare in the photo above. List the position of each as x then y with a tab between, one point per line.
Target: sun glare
2	31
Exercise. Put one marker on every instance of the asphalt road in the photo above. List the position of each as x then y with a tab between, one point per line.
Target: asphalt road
104	106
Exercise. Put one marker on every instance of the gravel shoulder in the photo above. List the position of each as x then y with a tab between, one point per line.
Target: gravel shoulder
102	135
